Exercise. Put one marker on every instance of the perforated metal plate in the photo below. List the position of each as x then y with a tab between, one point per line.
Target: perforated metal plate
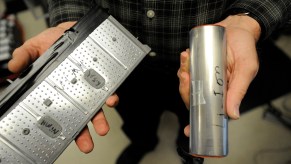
41	125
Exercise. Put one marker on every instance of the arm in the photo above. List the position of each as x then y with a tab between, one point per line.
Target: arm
242	32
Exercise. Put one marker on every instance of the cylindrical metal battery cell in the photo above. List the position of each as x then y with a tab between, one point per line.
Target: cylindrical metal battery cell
208	118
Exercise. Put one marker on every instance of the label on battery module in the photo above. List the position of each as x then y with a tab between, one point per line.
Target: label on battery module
94	78
197	93
49	126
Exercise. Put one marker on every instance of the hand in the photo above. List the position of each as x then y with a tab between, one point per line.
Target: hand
242	33
31	50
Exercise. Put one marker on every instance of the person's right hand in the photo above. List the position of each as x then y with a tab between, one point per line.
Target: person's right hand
242	34
31	50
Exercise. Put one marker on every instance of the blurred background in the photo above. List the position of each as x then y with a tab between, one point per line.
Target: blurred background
261	136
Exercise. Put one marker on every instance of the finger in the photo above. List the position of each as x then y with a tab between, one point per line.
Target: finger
187	130
184	77
100	124
112	101
237	87
22	57
84	141
184	61
184	88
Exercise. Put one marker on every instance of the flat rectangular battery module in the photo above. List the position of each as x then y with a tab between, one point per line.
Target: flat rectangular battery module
44	109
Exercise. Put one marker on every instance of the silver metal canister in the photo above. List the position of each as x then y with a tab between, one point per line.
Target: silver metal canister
208	118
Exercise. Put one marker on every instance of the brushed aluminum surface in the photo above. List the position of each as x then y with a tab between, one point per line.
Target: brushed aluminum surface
208	119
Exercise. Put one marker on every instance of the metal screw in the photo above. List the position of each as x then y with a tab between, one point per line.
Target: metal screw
114	39
95	59
26	131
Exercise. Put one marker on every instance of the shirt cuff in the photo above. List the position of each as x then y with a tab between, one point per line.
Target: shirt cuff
269	14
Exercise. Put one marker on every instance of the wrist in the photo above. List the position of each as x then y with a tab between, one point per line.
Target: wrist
243	21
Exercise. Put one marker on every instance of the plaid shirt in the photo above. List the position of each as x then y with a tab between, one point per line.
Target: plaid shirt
166	28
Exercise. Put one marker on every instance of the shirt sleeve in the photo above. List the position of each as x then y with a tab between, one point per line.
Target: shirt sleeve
270	14
67	10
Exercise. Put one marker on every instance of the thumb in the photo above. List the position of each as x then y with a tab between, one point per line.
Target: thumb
22	57
237	87
34	47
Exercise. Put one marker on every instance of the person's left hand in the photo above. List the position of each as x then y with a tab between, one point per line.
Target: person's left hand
242	33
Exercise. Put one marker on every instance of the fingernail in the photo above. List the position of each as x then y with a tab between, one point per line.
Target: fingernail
87	147
236	112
